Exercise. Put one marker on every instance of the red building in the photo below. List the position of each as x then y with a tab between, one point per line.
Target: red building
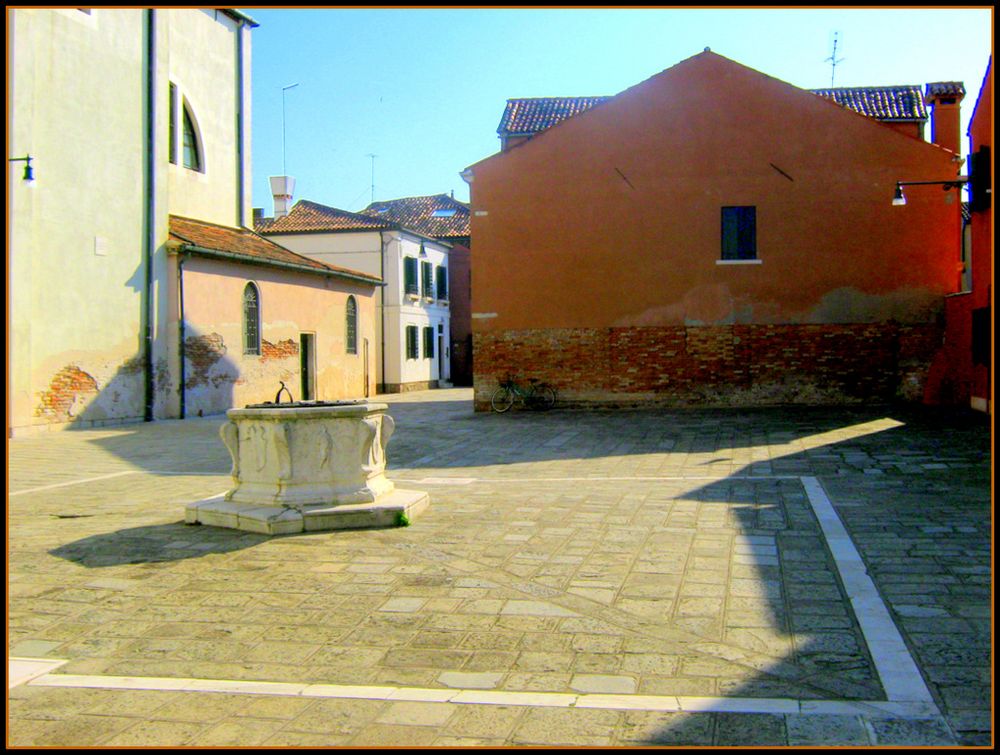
963	368
714	236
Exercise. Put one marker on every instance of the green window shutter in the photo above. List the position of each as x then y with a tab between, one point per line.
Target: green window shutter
442	282
410	285
428	343
411	342
427	279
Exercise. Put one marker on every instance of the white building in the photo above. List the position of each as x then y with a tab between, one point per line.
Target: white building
414	319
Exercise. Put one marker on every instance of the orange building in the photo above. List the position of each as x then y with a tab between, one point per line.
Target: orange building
713	236
965	362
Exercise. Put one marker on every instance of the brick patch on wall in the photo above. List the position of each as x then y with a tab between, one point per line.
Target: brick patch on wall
67	385
727	365
280	350
202	353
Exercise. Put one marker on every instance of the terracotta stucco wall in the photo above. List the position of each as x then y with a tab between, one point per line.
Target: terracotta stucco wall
613	217
611	220
218	375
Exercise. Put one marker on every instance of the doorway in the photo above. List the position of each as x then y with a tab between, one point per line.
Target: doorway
307	362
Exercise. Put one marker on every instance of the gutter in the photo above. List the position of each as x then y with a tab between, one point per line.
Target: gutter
241	98
150	219
181	329
193	249
381	249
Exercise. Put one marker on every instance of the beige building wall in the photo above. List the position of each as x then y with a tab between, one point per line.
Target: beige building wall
79	104
218	375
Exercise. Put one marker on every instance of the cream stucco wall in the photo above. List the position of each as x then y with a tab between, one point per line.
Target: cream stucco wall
78	103
202	65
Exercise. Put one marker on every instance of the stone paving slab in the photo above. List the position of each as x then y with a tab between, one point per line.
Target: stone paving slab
613	559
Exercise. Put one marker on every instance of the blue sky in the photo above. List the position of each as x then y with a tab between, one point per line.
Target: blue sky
424	89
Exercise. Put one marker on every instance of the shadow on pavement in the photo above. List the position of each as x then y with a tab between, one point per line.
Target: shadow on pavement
155	544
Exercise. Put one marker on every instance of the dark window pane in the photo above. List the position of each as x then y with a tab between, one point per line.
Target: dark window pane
442	283
192	155
428	343
739	233
172	146
352	325
251	320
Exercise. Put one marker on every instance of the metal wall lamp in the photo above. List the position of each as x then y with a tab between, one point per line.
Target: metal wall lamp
29	174
898	199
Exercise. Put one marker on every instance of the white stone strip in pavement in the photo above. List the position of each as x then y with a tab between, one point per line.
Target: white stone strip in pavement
591	478
75	482
21	670
777	706
154	472
900	676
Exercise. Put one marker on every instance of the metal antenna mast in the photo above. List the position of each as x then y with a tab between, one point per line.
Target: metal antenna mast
373	175
833	60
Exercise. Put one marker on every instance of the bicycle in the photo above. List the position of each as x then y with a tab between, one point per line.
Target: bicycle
537	395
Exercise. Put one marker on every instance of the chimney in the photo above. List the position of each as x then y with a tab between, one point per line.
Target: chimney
944	99
282	188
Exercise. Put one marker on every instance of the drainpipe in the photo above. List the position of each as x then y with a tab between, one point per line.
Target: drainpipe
180	327
381	293
147	357
241	99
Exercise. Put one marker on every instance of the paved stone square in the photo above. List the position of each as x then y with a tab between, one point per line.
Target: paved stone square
785	576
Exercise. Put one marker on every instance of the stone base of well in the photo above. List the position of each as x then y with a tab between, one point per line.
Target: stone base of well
307	466
389	510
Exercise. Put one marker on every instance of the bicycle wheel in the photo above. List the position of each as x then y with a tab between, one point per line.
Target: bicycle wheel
503	399
545	396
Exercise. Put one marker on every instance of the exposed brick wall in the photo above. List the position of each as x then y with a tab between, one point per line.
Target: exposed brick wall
69	384
713	365
202	353
280	350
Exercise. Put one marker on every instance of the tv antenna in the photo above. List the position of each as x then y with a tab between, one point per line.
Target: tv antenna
833	60
373	175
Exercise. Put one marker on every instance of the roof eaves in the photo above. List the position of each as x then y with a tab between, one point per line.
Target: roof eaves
239	16
249	259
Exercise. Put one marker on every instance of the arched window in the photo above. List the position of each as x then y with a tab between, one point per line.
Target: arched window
352	325
251	319
191	148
